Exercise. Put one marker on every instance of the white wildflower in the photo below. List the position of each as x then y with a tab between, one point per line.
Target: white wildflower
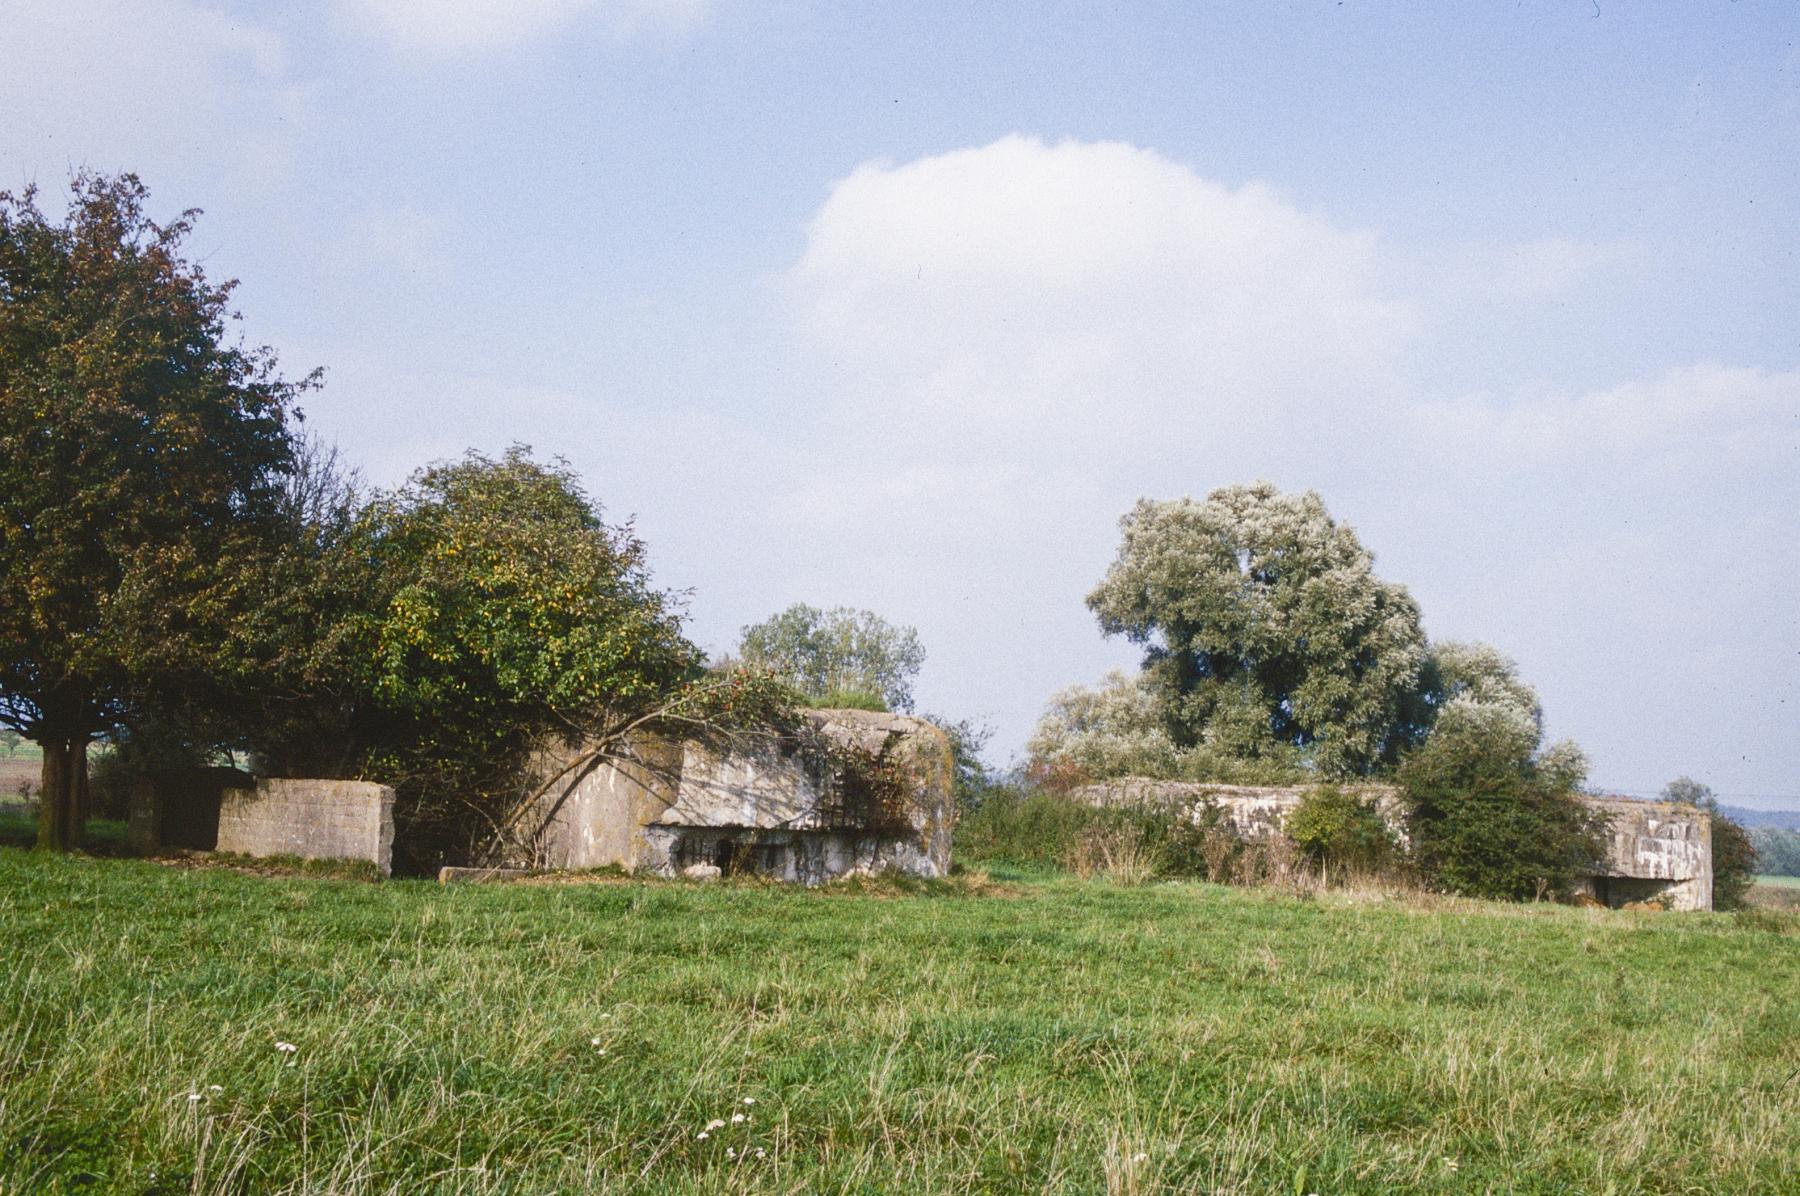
715	1124
749	1100
760	1152
730	1153
703	1135
594	1041
736	1117
214	1088
194	1098
286	1048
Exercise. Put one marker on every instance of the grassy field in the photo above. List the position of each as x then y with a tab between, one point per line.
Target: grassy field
1779	882
1022	1034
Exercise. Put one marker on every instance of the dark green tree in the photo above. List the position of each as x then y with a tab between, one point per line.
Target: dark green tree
1488	814
142	448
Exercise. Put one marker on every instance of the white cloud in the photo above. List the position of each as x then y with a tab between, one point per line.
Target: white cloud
164	87
1077	284
459	26
1729	415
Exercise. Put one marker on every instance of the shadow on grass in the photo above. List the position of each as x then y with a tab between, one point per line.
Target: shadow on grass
105	836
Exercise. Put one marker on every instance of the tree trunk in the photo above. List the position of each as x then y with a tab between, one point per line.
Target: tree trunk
58	796
84	797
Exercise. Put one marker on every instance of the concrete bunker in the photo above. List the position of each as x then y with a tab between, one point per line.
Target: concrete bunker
1656	852
769	810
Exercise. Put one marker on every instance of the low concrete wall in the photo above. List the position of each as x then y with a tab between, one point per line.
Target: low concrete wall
1655	851
314	820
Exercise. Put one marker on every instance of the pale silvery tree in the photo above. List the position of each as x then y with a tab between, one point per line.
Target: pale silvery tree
1111	730
1267	632
837	653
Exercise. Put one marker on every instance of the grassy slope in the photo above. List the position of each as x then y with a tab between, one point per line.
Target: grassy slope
1067	1036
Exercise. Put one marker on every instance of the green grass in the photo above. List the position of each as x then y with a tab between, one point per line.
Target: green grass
1051	1035
1779	882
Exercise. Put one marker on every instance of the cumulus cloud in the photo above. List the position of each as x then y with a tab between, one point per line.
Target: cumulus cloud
459	26
161	86
1029	282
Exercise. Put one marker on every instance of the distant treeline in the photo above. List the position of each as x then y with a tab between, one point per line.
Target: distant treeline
1787	820
1777	850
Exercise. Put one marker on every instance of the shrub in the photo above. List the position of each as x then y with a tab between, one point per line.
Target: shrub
1335	829
1734	862
1489	816
851	699
1027	827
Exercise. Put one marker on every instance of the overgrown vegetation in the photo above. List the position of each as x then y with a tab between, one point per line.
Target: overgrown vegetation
1489	815
1340	832
1047	1036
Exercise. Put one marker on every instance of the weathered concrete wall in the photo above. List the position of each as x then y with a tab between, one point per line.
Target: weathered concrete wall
769	810
315	820
595	815
1254	811
1656	851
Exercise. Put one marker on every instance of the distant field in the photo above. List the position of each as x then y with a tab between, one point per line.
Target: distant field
1780	882
1017	1036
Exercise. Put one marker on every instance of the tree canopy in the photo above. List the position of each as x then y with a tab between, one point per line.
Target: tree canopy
449	627
837	656
139	445
1267	631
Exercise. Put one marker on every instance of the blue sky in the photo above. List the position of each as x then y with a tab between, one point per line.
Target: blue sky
903	307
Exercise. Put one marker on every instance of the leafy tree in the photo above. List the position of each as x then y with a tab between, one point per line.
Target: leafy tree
1267	629
1118	729
837	657
968	738
1490	814
140	449
1478	679
1734	857
510	612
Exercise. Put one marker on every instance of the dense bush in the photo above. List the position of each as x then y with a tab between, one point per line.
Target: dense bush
1490	816
1336	829
1734	862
